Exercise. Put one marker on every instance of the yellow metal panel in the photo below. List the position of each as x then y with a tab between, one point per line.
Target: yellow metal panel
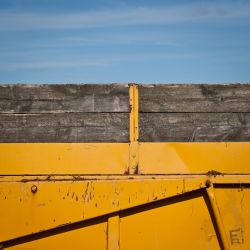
175	226
115	158
64	158
233	203
29	207
56	203
91	238
186	158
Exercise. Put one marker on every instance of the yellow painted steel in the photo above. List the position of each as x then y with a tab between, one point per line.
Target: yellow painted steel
233	204
134	130
190	158
179	224
134	112
217	217
57	203
114	232
115	158
63	158
91	237
133	158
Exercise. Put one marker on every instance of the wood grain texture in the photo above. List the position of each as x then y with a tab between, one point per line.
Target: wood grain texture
194	98
198	127
45	98
100	113
71	127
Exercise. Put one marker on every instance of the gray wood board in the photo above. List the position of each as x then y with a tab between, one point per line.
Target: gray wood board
70	127
59	98
194	98
200	127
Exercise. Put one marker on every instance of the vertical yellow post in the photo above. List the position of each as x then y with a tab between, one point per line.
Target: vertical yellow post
217	217
114	232
134	131
133	101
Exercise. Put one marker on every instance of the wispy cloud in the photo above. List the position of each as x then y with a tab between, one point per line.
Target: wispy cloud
129	38
79	40
53	65
39	63
17	20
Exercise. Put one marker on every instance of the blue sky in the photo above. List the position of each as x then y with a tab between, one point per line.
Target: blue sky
100	41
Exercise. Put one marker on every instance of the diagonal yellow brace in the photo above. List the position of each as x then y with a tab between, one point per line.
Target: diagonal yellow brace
217	216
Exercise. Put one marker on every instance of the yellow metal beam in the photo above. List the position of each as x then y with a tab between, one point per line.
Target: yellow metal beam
217	217
134	112
219	179
117	158
134	130
114	232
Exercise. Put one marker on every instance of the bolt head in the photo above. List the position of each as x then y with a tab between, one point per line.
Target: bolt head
208	183
33	189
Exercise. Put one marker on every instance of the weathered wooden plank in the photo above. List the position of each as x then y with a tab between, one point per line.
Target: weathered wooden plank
194	98
50	98
71	127
199	127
